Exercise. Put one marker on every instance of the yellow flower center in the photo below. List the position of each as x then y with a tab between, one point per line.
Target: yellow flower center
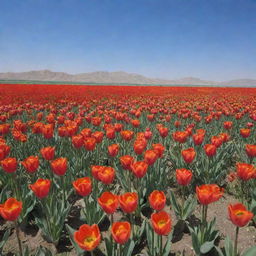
161	223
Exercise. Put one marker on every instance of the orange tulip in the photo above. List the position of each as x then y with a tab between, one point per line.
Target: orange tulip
121	232
59	166
163	131
98	135
250	150
126	161
245	171
224	136
216	141
239	215
9	164
209	193
161	223
151	156
148	134
135	123
83	186
95	170
4	151
183	176
88	237
157	200
139	146
159	148
11	209
139	168
188	155
106	175
31	163
127	135
108	202
245	132
113	150
198	138
90	143
210	150
47	130
41	188
128	202
86	132
111	133
78	141
180	136
48	153
228	125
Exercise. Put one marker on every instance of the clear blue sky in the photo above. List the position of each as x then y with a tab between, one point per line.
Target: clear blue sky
210	39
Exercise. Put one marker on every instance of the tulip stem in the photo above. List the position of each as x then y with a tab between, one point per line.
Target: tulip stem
131	220
236	240
161	245
18	237
63	188
153	242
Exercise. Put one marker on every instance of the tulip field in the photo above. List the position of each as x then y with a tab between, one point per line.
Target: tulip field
127	170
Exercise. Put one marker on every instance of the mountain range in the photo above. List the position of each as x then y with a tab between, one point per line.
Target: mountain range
118	77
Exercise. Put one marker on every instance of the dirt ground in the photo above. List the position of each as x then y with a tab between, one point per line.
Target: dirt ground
32	237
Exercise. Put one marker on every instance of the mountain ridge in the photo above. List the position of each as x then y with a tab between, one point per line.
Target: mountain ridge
116	77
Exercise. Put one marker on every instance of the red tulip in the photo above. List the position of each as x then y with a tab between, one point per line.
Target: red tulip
11	209
188	155
239	215
183	176
106	175
139	168
41	188
151	156
59	166
31	163
161	223
90	143
121	232
209	193
250	150
157	200
113	150
108	202
245	171
245	132
128	202
77	141
83	186
159	148
210	150
88	237
9	164
48	153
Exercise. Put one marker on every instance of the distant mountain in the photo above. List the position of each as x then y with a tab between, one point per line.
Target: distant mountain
118	77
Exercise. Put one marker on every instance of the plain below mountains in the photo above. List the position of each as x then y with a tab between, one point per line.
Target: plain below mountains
118	77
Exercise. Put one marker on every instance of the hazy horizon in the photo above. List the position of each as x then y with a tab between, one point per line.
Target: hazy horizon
169	39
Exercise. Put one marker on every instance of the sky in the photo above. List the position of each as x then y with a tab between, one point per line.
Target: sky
171	39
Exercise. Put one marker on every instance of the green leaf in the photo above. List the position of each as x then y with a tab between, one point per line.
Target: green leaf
250	252
128	249
167	247
5	238
175	205
206	247
109	246
195	243
42	251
